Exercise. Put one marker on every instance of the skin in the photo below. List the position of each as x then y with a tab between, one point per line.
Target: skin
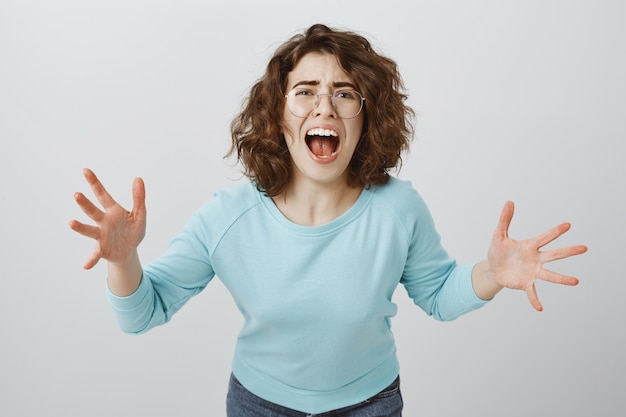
117	233
318	189
318	192
518	264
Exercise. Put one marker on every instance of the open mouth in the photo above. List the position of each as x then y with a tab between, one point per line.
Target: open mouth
323	143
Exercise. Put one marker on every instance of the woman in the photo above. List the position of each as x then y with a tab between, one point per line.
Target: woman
313	247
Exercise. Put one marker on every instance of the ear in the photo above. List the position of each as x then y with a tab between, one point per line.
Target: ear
285	131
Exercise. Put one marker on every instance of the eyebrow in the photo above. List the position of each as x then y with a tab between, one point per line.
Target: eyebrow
336	84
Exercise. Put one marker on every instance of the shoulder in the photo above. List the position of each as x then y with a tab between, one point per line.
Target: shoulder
236	197
400	201
400	196
226	206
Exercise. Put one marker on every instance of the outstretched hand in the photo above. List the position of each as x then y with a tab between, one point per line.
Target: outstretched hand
518	264
117	232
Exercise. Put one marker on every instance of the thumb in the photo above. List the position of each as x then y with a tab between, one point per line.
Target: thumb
139	196
506	215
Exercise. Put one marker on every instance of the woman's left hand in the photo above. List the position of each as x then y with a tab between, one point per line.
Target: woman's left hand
517	264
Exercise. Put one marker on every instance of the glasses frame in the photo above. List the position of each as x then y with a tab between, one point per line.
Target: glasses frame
332	102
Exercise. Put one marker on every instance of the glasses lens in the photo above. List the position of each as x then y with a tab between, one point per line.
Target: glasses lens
347	103
301	102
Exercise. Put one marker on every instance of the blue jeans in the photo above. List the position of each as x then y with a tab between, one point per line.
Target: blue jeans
242	403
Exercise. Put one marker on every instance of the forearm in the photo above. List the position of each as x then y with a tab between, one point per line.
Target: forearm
484	282
124	277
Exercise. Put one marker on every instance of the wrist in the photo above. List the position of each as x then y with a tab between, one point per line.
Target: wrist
124	277
125	262
484	281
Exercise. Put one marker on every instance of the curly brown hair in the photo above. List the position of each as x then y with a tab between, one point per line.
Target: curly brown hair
387	126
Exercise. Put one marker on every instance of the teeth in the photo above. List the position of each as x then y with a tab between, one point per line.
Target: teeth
321	132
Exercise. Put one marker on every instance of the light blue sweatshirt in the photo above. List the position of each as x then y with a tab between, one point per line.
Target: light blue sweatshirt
316	299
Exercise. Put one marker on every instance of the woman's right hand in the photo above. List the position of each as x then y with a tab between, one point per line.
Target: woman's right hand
117	232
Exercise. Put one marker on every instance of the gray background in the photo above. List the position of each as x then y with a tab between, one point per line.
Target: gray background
515	100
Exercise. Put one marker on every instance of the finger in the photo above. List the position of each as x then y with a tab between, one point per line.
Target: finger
533	298
84	229
557	278
139	197
98	189
93	260
552	234
562	253
502	229
88	207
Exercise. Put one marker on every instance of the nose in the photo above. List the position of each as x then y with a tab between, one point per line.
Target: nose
324	106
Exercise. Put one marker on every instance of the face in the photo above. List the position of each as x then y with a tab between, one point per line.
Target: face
321	144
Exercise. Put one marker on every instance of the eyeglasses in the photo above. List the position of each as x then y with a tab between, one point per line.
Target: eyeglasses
302	101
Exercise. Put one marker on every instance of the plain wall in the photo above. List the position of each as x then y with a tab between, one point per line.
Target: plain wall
521	101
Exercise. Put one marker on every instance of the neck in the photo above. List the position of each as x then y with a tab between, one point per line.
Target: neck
314	204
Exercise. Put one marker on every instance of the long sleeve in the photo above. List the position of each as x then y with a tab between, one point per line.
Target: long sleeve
433	279
168	283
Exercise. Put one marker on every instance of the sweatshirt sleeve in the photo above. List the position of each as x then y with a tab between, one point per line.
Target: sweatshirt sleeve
169	282
435	282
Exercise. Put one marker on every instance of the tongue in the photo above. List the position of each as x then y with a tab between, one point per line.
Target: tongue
322	146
